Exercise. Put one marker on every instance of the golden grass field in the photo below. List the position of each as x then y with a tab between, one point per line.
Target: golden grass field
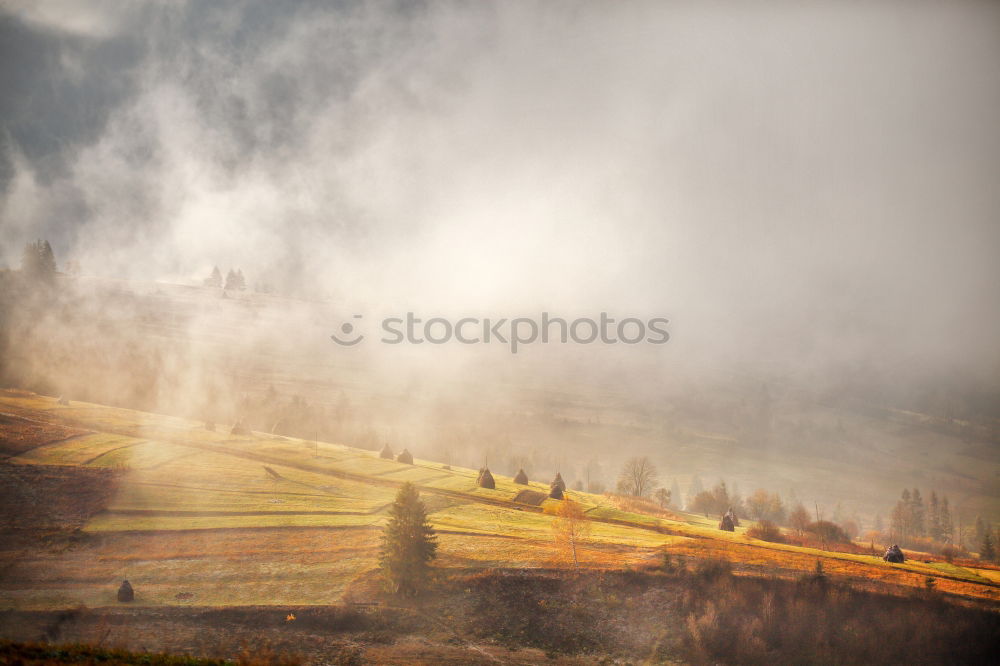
197	519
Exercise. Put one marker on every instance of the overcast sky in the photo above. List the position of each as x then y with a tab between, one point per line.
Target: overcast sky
817	179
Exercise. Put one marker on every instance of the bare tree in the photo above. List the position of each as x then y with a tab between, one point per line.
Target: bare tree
638	477
799	518
570	527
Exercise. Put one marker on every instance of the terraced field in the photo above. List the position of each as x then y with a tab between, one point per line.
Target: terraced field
208	518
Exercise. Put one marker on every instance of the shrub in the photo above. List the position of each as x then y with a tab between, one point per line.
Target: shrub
827	531
765	530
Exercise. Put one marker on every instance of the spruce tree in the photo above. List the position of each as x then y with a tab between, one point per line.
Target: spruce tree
934	517
409	543
947	525
987	551
38	261
918	527
215	279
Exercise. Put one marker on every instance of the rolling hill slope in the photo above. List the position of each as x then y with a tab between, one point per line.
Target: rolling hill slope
206	517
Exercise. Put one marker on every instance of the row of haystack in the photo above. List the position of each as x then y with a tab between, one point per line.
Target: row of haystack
485	478
404	456
556	489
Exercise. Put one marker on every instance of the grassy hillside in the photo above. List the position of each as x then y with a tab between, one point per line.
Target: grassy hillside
195	517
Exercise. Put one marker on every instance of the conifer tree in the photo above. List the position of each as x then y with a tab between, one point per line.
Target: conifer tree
918	526
409	544
987	550
934	517
675	495
38	261
947	525
215	279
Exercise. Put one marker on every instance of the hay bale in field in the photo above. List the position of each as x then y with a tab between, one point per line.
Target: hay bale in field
386	452
125	592
63	400
405	457
559	481
726	524
733	517
486	479
240	428
521	477
556	491
894	554
532	497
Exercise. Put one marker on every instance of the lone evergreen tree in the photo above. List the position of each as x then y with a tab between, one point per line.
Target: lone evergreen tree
409	543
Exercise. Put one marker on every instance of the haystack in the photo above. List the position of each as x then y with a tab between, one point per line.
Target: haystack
733	517
894	554
63	400
125	592
386	452
486	479
521	477
532	497
559	481
240	428
405	457
556	491
726	524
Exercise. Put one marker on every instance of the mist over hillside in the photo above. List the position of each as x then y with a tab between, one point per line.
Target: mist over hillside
475	333
804	193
